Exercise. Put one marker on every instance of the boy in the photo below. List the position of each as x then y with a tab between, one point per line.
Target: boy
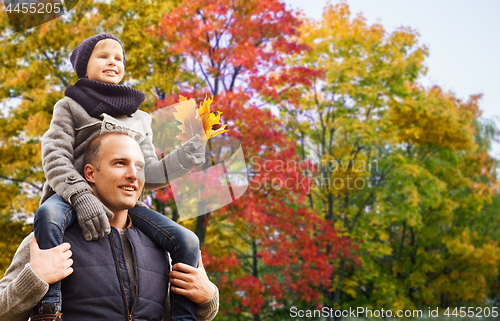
96	104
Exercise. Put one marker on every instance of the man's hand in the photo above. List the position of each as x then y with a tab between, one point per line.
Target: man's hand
51	265
192	283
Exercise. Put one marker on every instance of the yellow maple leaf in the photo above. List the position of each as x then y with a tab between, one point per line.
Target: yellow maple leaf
200	121
211	120
204	111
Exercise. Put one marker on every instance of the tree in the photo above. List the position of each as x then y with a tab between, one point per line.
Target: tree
397	168
266	250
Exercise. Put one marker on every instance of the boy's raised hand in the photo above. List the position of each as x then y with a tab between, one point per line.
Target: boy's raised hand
192	152
92	215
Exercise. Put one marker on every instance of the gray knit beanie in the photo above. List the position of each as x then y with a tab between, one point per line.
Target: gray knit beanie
80	56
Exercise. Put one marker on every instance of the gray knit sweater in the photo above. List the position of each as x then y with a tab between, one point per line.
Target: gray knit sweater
72	129
21	289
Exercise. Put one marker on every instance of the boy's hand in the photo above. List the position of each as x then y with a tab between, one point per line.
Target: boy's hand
50	265
192	151
92	215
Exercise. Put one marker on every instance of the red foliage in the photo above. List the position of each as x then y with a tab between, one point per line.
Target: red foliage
239	49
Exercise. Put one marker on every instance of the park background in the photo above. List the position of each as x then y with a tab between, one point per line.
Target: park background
370	185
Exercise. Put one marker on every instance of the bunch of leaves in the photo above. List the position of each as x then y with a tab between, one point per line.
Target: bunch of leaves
211	120
198	121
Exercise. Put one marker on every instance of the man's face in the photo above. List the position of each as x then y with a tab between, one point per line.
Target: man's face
119	181
106	62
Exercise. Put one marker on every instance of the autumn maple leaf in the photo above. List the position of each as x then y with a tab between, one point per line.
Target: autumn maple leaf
189	118
200	121
211	120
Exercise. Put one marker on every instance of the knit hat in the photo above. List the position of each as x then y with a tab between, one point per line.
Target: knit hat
80	56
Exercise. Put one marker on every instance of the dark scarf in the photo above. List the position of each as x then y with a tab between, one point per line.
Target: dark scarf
99	97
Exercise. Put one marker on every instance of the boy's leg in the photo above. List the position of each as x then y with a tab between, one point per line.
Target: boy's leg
51	220
182	245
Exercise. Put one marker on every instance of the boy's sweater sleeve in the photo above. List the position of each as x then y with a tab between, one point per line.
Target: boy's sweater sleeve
20	288
160	173
57	154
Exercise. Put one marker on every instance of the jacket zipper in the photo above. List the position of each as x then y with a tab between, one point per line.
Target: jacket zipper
136	276
119	275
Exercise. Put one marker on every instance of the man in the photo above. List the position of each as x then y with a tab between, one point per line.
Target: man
128	279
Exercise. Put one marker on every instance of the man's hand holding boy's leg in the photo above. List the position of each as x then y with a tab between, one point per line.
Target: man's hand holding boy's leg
50	265
193	283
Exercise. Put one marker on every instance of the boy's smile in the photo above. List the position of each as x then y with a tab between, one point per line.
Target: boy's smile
106	62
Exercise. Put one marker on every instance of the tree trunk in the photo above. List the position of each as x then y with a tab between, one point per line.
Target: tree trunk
201	227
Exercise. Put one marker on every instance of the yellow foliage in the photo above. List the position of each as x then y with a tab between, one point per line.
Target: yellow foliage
11	235
350	286
433	117
413	218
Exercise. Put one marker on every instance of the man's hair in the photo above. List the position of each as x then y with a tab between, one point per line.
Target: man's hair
93	151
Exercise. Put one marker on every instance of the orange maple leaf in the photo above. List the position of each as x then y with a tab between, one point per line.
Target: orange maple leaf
200	121
189	118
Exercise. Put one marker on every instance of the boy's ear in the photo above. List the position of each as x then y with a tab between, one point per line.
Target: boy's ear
89	172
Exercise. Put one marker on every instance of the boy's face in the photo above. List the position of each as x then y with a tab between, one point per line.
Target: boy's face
106	62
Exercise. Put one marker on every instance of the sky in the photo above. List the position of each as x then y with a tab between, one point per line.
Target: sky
463	37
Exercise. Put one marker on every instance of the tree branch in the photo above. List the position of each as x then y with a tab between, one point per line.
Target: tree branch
21	181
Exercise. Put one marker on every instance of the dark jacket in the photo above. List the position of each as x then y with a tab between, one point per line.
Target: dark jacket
100	287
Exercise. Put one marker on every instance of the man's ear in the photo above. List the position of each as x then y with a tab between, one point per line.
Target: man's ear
89	172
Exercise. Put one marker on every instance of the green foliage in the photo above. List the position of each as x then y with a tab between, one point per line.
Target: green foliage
417	212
